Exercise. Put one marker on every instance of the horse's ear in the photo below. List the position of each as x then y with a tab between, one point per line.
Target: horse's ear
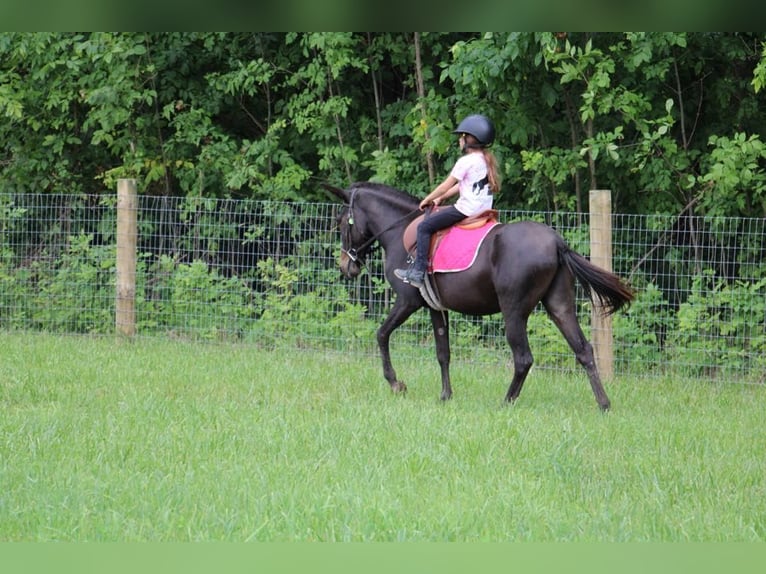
341	194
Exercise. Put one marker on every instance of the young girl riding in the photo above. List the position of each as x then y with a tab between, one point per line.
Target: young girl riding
474	176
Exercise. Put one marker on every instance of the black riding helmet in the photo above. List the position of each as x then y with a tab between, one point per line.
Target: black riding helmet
479	126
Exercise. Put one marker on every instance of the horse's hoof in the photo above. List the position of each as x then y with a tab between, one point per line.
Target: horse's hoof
398	387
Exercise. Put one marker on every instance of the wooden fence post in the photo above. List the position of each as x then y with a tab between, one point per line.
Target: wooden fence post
127	207
601	255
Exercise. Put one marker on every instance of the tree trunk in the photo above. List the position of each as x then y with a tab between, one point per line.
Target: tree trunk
421	103
376	94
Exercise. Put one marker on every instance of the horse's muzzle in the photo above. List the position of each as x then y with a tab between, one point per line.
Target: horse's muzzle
348	266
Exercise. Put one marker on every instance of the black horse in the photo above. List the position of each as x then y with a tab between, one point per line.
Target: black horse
519	264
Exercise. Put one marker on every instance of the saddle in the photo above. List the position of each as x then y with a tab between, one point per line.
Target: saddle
472	222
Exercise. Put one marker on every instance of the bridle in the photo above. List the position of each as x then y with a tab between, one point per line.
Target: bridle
356	254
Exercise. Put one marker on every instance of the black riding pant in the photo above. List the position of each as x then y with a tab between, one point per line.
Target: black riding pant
433	222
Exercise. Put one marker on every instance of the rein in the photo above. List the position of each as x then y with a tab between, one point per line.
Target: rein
355	253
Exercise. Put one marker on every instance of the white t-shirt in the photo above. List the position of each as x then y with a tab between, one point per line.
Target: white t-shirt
471	171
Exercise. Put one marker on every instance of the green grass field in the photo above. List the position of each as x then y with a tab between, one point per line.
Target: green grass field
157	440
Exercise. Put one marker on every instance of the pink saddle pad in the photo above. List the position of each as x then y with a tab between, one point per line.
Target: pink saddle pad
458	248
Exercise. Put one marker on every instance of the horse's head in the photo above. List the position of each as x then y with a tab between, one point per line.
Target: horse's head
354	233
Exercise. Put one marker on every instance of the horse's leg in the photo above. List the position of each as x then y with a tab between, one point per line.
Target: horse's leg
583	350
440	323
560	304
516	334
400	312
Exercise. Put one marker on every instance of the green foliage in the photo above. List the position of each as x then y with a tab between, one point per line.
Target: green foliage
643	328
14	282
759	74
76	295
286	316
192	300
550	169
735	179
15	287
715	326
661	118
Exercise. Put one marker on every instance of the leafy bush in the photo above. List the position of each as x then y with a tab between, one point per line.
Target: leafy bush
76	295
191	298
14	280
644	327
15	285
324	313
721	327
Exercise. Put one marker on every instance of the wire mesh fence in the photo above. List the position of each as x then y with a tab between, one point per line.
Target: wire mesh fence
265	273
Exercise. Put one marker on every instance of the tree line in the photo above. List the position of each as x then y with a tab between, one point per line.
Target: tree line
672	123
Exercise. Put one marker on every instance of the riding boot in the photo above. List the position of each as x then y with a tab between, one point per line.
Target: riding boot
411	275
415	274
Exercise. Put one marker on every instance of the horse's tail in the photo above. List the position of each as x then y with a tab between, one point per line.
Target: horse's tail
612	293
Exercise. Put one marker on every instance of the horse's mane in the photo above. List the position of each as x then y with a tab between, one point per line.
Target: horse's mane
397	196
